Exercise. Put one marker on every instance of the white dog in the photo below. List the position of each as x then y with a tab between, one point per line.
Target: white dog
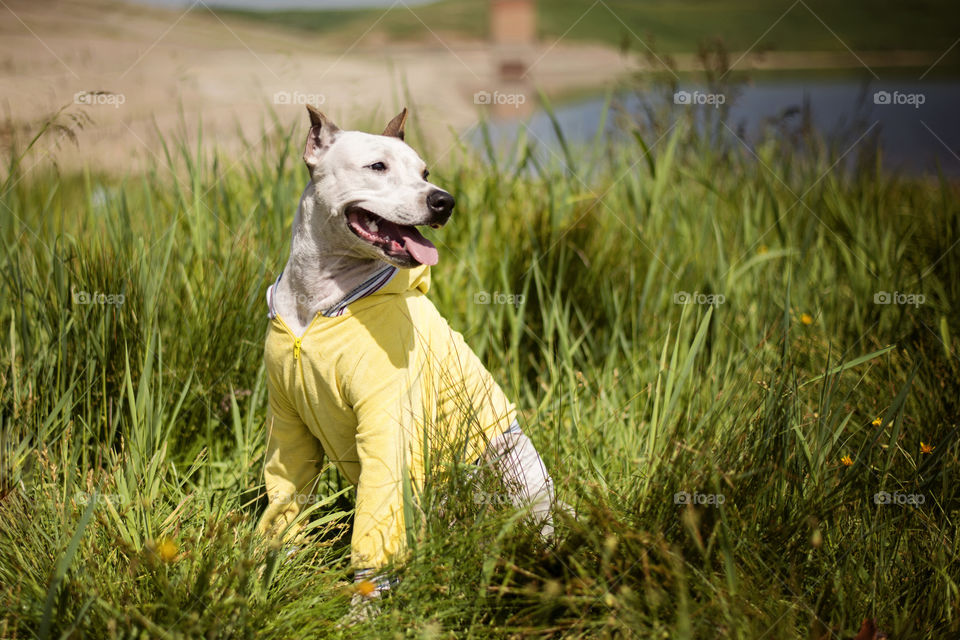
361	367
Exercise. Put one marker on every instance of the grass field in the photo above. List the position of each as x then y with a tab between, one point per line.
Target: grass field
668	26
132	398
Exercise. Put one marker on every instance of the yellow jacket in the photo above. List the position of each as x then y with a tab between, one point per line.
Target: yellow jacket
374	388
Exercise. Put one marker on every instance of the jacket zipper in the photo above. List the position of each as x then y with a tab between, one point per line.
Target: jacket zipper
297	342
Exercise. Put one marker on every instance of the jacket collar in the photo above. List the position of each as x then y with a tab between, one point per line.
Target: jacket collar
384	281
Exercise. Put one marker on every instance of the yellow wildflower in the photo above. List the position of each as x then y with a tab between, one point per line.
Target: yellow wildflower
167	549
806	318
926	448
846	460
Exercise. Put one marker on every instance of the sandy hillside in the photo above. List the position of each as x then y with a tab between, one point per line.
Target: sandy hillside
155	63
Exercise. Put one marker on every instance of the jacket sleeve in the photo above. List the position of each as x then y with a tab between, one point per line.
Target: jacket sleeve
388	418
293	459
384	388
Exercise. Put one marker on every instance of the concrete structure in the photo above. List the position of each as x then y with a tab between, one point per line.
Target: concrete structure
513	22
513	36
513	32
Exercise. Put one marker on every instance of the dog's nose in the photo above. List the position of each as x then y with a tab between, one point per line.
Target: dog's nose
441	205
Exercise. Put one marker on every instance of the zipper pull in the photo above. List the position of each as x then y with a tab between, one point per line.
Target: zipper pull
296	348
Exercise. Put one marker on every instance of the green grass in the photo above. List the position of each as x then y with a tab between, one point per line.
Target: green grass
132	441
668	26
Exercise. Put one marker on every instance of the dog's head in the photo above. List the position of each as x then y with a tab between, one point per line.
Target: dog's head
371	192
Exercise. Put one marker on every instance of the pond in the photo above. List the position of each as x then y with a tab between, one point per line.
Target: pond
916	121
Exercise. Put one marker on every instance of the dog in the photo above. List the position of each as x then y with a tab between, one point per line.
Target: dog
361	367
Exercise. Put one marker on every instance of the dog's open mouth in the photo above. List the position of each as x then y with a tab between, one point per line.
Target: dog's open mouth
395	240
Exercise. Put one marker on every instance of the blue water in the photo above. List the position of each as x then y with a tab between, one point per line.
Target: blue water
919	131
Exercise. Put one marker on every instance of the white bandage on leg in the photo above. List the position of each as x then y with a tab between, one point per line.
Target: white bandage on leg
368	588
525	476
378	584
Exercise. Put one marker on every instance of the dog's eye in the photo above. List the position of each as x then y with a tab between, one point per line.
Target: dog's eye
426	174
377	166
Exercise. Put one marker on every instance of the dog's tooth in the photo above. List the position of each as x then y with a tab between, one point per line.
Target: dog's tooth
372	225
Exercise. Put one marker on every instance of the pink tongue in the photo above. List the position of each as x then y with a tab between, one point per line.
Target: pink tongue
419	247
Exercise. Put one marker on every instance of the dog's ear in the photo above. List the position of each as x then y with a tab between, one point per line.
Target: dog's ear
322	133
395	126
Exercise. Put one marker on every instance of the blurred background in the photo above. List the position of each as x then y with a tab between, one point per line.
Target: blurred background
126	74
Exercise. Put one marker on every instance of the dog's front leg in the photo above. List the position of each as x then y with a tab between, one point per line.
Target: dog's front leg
525	476
293	459
388	462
